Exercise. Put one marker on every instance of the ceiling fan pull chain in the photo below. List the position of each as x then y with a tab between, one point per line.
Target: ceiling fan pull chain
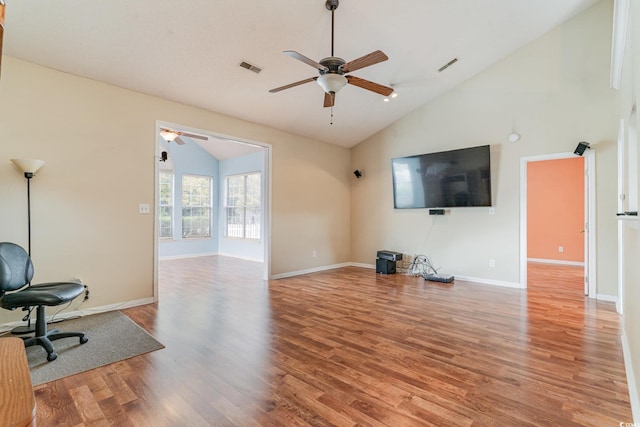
331	123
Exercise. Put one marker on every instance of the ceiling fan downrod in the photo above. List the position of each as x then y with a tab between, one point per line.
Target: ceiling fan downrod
332	5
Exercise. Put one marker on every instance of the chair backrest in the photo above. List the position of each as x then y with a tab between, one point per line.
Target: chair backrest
16	268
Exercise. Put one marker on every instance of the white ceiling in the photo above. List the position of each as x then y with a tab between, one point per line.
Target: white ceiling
189	51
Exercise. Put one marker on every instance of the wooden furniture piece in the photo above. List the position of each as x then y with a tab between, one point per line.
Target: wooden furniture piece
17	402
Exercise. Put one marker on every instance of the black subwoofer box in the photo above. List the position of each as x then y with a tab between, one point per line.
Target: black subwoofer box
385	266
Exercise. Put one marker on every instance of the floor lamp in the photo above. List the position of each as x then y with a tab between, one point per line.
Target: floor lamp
29	167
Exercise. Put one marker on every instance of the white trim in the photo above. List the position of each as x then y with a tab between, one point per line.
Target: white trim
523	220
86	312
310	270
266	208
556	261
590	213
188	256
240	257
618	40
607	298
590	165
357	264
621	268
491	282
631	378
372	267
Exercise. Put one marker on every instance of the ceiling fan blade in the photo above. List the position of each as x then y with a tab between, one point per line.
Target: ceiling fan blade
290	85
171	135
369	85
365	61
329	99
301	57
178	141
193	135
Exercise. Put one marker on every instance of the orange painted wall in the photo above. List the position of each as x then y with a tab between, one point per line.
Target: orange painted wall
555	209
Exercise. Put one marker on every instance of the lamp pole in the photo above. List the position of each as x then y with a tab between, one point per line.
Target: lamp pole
29	175
29	167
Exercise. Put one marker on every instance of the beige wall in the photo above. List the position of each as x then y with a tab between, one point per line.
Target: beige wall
554	92
629	95
99	143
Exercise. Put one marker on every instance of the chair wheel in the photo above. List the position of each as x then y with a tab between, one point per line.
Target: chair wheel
83	340
52	356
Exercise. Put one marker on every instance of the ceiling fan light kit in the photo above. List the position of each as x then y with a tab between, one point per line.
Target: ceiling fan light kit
168	135
332	83
333	70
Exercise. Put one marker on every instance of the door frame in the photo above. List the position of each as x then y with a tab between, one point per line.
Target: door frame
589	217
266	196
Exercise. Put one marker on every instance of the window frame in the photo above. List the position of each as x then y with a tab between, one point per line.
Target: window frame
171	205
208	207
243	206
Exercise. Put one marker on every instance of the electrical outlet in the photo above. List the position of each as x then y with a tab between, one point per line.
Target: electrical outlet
561	249
492	262
314	253
144	208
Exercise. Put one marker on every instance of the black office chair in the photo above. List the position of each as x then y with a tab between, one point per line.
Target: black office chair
16	271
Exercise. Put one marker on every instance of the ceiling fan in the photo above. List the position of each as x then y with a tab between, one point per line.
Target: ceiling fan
171	135
333	70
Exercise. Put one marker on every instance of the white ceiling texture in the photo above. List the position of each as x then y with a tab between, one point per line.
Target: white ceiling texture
189	51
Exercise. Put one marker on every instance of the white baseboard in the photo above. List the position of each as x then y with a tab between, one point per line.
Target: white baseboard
556	261
310	270
370	266
357	264
608	298
631	379
187	256
5	327
240	257
489	282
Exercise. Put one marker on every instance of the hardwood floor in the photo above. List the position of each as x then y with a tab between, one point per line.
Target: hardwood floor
349	347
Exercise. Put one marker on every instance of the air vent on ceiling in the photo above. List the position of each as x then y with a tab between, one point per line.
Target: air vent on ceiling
448	64
250	67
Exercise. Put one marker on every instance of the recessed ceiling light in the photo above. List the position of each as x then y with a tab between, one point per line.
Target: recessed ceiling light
386	100
394	95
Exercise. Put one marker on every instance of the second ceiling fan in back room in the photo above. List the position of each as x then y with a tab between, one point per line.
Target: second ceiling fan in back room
333	70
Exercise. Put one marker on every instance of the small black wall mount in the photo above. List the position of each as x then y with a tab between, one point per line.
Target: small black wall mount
436	212
357	173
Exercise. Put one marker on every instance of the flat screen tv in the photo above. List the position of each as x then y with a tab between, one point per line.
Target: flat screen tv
445	179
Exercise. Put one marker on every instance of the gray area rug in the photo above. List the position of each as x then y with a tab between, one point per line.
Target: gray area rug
112	337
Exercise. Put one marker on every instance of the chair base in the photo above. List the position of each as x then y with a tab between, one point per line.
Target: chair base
43	337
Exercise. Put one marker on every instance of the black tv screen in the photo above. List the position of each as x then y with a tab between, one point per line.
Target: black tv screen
443	180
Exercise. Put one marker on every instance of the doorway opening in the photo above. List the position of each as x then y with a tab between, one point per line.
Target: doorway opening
551	243
201	208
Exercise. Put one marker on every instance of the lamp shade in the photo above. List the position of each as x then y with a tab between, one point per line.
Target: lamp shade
28	165
168	135
332	82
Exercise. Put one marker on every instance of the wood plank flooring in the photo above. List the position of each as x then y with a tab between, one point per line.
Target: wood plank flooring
348	347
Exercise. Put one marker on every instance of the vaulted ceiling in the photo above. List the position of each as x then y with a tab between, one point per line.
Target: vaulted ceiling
190	51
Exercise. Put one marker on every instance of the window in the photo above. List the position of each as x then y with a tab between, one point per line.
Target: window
166	205
196	206
243	211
